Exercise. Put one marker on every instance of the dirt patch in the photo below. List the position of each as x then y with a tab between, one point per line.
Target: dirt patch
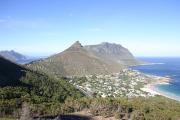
89	116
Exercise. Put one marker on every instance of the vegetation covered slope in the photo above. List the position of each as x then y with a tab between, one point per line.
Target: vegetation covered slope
45	96
75	60
153	108
18	85
10	73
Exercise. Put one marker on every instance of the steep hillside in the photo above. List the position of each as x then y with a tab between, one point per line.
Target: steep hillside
19	85
113	52
13	75
10	73
75	60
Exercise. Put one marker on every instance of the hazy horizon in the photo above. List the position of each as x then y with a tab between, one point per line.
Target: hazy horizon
44	55
42	28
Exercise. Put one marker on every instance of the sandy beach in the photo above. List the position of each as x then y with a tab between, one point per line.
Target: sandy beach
151	87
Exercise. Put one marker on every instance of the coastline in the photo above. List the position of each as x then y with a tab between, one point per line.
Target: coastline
152	87
144	64
167	94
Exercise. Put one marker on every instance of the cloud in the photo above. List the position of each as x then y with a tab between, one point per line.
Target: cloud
95	29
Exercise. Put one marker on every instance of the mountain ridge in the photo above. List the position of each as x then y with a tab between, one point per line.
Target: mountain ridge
113	52
13	56
75	60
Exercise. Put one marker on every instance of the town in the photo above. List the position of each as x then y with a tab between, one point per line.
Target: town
127	83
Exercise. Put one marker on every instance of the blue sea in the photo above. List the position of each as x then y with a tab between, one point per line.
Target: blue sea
165	67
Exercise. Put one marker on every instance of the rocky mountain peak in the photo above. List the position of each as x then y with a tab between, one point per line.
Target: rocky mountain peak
113	52
75	47
77	44
106	44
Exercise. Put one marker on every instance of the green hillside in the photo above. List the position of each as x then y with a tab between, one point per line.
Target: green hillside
10	73
19	85
27	94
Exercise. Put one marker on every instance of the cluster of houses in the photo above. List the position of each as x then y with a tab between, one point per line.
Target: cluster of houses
126	83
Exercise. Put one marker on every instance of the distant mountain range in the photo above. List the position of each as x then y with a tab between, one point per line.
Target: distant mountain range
105	58
16	57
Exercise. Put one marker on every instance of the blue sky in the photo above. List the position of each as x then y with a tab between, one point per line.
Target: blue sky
44	27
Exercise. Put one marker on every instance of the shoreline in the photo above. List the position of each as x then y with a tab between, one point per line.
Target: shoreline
146	64
167	94
153	90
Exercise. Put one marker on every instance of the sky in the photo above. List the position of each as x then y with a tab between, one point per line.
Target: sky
44	27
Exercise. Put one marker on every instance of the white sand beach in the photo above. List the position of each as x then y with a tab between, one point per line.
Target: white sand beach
150	88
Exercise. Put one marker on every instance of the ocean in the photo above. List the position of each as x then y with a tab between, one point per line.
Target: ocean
165	67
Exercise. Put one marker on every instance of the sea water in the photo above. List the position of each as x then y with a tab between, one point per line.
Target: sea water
166	67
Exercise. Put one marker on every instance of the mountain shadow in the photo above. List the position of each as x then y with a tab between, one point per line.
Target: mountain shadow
10	73
64	117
